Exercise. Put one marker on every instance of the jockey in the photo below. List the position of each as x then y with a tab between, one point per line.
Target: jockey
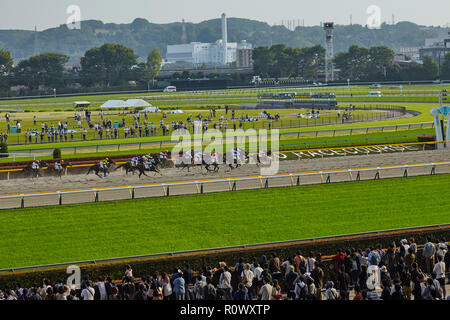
134	161
262	153
235	153
36	164
58	165
163	155
214	158
198	157
103	163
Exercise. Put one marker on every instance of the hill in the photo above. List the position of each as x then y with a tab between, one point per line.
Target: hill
143	36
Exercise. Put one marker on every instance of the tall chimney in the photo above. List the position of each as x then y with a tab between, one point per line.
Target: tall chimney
224	38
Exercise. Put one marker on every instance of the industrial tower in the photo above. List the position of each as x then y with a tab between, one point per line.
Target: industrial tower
224	39
329	53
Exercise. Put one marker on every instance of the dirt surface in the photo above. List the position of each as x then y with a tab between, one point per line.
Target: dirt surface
118	178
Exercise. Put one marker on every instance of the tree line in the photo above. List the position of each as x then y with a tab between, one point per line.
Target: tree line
114	65
357	64
107	66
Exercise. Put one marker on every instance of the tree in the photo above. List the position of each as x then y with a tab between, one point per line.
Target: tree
6	65
431	68
445	69
46	69
381	60
109	65
6	62
154	61
262	61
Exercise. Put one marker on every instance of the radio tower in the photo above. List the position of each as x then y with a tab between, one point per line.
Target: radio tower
329	53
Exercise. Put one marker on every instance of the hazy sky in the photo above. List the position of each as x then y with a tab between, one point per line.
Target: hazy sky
26	14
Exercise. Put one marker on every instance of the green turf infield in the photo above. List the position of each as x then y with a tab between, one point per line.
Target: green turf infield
124	228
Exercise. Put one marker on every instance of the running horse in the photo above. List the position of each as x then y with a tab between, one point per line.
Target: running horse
142	167
97	168
59	170
237	158
185	161
33	169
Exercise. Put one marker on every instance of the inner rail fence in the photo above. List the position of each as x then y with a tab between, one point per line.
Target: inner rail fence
218	185
96	148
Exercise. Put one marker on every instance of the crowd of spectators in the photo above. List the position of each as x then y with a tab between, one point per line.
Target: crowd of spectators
342	276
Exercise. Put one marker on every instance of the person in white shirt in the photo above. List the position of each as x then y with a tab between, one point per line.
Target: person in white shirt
225	281
439	270
102	289
88	292
247	278
266	290
310	262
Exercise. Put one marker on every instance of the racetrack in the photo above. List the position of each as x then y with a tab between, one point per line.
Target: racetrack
119	179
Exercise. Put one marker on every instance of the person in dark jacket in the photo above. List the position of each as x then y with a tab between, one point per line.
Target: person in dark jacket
343	283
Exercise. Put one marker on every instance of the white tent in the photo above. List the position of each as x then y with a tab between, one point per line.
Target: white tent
138	103
176	111
112	104
151	109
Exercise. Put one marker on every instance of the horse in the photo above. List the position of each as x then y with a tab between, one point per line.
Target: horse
97	168
59	171
142	167
189	162
33	171
238	160
129	167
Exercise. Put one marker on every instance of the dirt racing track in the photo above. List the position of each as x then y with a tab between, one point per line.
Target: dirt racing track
174	175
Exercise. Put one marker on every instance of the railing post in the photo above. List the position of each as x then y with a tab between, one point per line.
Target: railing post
60	199
96	196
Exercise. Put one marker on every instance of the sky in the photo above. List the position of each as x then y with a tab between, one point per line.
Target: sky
44	14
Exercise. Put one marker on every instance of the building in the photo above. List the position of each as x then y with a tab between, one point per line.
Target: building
436	48
218	53
244	58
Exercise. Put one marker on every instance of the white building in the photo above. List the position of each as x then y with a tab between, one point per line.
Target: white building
221	52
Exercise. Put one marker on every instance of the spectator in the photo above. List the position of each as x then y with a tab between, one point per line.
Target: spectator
266	290
398	294
88	292
179	287
247	279
429	250
330	293
439	271
241	294
343	283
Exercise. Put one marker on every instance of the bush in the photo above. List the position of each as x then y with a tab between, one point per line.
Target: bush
57	153
3	150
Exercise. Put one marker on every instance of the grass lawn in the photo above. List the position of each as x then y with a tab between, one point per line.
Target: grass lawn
124	228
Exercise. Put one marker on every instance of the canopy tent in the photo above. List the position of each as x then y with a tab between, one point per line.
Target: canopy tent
176	111
113	104
151	109
81	104
138	103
